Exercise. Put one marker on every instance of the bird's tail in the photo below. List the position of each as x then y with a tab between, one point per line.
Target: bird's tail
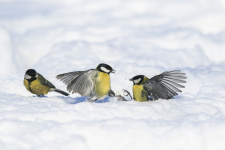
61	92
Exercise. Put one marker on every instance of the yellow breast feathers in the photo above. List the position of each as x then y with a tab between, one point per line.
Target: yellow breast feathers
36	87
102	86
139	93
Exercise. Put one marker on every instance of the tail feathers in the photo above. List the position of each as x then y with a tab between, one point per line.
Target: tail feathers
61	92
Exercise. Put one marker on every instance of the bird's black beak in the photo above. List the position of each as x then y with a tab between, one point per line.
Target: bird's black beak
113	71
131	79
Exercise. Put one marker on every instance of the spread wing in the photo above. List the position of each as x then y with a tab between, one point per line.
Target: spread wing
45	82
81	82
166	85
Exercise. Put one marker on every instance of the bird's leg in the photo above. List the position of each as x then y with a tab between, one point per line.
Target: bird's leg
40	96
91	99
127	93
119	97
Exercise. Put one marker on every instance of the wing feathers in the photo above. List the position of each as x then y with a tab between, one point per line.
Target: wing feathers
68	77
45	82
174	80
173	83
79	82
166	85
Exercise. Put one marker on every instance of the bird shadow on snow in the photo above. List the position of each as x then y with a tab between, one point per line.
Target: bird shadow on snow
72	100
178	97
76	100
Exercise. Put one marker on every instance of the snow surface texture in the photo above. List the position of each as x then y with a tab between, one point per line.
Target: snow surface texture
134	37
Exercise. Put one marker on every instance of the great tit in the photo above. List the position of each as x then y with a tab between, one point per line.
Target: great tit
92	83
37	84
164	86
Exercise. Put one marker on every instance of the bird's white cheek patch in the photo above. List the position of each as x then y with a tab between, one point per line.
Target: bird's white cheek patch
105	70
137	81
36	75
27	76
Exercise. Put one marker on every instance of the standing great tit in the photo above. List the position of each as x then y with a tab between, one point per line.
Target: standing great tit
37	84
164	86
92	83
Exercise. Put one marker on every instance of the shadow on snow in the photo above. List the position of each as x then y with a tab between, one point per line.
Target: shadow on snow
72	100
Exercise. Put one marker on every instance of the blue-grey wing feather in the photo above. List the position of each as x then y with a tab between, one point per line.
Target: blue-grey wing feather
165	85
45	81
81	82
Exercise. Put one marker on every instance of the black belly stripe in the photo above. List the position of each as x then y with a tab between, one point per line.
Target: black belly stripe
30	87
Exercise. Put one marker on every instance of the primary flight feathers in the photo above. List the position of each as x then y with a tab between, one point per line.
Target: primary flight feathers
165	85
81	82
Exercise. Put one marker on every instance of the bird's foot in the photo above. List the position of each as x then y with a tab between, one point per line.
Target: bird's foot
119	97
88	100
127	93
91	99
40	96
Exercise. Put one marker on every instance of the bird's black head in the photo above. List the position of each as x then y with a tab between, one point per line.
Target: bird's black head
31	75
138	79
105	68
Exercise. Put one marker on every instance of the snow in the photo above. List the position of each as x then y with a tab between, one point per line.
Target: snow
134	37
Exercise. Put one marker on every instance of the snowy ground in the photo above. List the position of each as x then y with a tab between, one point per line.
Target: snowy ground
134	37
